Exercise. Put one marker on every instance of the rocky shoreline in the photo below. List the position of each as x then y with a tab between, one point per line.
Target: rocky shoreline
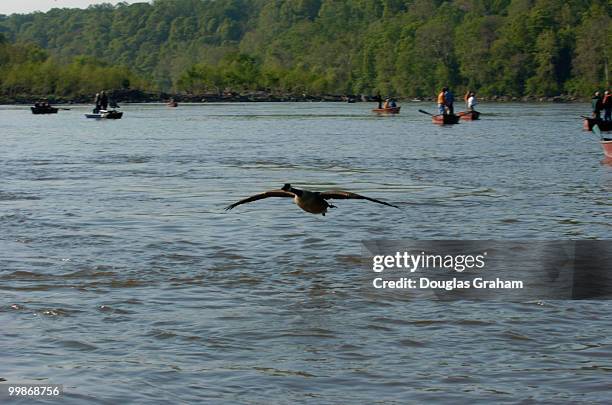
138	96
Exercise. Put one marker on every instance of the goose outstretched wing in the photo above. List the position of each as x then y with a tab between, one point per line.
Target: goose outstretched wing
347	195
260	196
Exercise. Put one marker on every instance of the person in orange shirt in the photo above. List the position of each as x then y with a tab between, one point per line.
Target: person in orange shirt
442	101
466	97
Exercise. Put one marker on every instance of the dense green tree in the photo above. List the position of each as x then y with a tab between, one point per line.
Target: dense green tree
593	50
28	70
399	47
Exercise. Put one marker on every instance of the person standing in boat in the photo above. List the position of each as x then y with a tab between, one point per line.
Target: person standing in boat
442	101
606	103
103	100
466	97
471	101
378	98
97	103
449	100
596	105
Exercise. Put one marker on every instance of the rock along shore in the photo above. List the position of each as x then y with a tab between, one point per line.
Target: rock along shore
138	96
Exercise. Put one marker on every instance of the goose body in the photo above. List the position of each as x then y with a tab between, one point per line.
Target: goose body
313	202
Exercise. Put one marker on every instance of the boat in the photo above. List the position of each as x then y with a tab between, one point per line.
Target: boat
445	119
172	104
103	114
388	110
589	123
469	115
44	110
606	144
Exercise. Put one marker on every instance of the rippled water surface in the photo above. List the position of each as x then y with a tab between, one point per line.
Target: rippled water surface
122	277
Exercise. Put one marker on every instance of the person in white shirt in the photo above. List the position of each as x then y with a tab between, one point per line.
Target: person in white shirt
471	102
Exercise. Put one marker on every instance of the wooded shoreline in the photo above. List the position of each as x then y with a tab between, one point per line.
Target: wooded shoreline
518	50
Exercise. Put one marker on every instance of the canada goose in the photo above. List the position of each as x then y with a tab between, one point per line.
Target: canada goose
310	201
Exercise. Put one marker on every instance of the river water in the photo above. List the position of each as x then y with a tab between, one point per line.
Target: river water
122	277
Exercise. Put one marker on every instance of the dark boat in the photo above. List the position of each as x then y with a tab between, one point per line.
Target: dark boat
103	114
44	110
389	110
589	123
172	104
445	119
469	115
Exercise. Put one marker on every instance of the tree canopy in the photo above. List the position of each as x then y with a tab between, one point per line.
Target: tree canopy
397	47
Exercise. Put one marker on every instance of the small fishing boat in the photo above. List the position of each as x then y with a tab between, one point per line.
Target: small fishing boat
469	115
103	114
589	123
388	110
44	110
445	119
172	104
606	144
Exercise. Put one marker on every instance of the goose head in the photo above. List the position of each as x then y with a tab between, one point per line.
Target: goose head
297	192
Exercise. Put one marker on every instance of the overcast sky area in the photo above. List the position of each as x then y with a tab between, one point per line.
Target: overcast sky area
28	6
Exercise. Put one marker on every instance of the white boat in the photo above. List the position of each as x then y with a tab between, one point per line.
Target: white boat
105	114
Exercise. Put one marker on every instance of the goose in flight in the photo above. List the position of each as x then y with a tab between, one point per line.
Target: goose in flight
310	201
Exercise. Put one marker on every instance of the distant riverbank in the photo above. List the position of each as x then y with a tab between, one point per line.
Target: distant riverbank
138	96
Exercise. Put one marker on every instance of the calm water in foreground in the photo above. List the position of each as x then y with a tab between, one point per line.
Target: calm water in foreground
122	277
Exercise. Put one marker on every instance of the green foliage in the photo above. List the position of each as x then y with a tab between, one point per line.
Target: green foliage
28	70
396	47
593	50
